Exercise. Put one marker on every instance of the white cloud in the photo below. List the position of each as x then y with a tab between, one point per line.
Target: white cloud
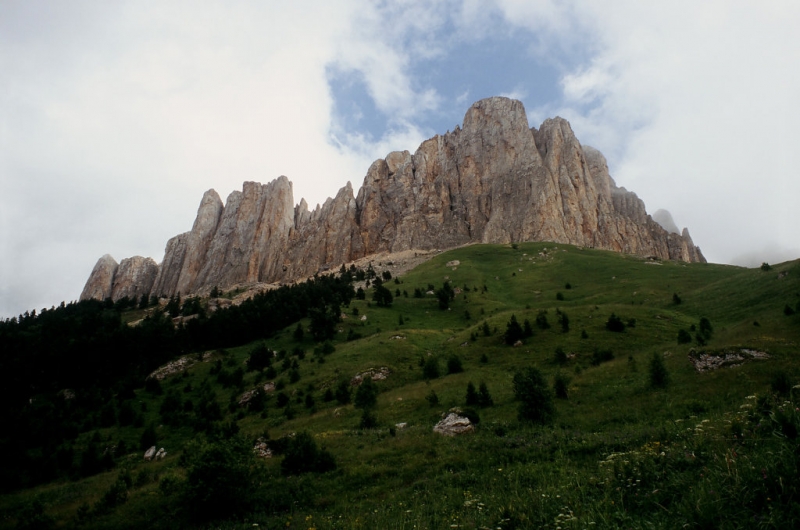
115	117
693	103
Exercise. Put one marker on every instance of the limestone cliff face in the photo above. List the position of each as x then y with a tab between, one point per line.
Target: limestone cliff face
101	280
132	277
495	180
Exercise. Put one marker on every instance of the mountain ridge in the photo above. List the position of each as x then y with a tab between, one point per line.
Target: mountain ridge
494	180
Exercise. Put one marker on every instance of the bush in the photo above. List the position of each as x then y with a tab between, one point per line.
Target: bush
527	329
536	400
658	374
343	392
561	385
484	398
430	370
615	324
366	395
149	437
444	296
563	319
684	337
432	398
301	455
766	267
560	357
600	356
454	365
382	296
33	517
541	320
472	398
368	420
787	310
781	384
705	328
261	356
223	479
514	331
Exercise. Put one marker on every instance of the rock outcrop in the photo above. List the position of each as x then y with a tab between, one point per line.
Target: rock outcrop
493	181
134	277
101	281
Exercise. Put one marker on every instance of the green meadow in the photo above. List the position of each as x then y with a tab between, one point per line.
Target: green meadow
638	437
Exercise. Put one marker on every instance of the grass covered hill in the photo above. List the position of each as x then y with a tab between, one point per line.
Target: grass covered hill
597	390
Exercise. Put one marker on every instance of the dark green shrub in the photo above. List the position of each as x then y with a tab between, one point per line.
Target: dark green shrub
781	383
561	385
541	320
563	320
705	328
601	355
301	455
533	393
684	337
445	295
432	398
514	331
366	394
787	310
766	267
260	357
560	357
472	398
559	296
368	420
343	392
281	399
615	324
484	398
657	372
527	329
430	370
223	479
33	516
471	415
676	299
454	365
382	296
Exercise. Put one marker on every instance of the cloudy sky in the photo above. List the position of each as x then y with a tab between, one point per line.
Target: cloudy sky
115	117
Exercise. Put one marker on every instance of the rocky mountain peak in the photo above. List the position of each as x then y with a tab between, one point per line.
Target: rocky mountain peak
494	180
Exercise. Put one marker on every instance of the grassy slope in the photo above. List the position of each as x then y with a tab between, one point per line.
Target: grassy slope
518	473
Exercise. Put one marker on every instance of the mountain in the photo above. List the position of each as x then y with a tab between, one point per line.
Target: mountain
495	180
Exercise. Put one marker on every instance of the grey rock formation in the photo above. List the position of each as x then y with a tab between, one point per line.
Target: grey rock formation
134	277
493	181
101	280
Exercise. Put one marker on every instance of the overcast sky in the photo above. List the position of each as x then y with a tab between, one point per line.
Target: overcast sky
115	117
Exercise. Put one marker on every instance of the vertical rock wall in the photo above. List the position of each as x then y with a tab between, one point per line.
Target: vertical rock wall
493	181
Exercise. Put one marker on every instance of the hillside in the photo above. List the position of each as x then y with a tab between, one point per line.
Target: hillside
717	447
